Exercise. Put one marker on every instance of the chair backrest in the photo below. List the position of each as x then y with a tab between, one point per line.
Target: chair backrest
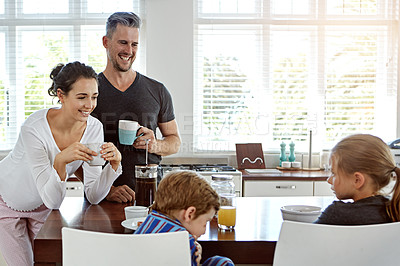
317	244
82	247
2	260
250	156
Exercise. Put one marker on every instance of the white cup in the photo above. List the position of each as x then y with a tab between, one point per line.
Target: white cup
286	164
135	212
97	160
127	131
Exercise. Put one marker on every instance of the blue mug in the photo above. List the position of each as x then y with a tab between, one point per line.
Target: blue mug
127	131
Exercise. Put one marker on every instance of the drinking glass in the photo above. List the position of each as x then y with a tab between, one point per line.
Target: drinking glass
227	212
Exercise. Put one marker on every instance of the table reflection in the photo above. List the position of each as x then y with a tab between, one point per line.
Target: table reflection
72	212
226	235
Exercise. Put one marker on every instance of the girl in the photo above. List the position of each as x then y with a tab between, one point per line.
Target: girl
50	147
361	166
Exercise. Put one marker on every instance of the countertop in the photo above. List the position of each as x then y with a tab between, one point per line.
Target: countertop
292	175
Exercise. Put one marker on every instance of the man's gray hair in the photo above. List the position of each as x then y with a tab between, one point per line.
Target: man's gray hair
129	19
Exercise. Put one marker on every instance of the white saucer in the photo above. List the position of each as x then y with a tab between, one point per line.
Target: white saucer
132	223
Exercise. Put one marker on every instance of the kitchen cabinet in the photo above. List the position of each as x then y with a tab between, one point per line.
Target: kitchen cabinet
277	188
74	189
286	188
286	183
322	188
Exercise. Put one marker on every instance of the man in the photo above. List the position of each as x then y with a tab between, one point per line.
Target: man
127	94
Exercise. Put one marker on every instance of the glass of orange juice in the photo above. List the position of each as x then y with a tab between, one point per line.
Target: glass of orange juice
227	212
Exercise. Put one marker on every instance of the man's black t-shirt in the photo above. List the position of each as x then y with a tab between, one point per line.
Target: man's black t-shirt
146	101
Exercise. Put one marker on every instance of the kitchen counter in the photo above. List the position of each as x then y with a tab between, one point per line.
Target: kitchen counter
299	175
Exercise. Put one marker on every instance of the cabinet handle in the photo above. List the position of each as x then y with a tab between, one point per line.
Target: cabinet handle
73	188
286	187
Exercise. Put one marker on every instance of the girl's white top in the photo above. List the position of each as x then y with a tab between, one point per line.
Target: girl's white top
27	176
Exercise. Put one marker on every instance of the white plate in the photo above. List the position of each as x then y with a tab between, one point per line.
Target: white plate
132	223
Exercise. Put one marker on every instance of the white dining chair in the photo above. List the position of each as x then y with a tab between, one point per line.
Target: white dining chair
2	260
331	245
81	247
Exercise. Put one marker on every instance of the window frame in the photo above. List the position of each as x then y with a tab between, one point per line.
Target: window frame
391	20
13	23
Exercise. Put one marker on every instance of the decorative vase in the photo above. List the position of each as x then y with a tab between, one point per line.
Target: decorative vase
292	157
282	158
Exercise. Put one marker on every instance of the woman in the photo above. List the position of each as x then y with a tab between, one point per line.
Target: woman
49	149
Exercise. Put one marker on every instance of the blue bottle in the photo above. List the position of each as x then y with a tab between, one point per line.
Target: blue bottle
292	157
283	154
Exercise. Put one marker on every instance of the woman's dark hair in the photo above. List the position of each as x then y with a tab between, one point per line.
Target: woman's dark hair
64	76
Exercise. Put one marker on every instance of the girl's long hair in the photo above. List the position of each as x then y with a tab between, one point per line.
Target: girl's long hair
369	155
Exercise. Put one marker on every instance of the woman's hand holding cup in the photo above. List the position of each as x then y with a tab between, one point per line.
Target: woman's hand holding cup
111	153
75	151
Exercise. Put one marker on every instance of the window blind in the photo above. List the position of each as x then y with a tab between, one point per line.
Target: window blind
37	35
272	70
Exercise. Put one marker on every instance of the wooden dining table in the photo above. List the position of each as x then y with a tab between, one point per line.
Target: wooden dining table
258	223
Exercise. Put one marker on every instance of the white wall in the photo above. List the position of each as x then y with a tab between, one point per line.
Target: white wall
169	58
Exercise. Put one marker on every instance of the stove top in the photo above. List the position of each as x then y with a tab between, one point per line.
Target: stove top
199	167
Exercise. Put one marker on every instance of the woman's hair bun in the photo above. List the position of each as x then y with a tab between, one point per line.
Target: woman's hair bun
56	70
64	76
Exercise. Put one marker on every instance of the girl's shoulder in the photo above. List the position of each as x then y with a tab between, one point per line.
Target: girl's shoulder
369	210
377	199
373	200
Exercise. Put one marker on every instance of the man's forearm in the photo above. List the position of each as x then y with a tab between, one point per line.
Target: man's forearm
167	146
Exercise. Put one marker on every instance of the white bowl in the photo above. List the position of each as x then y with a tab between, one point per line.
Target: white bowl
300	213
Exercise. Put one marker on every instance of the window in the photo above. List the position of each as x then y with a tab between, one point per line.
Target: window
37	35
44	7
273	70
104	6
3	92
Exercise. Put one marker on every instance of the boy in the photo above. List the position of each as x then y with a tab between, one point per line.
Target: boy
184	201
